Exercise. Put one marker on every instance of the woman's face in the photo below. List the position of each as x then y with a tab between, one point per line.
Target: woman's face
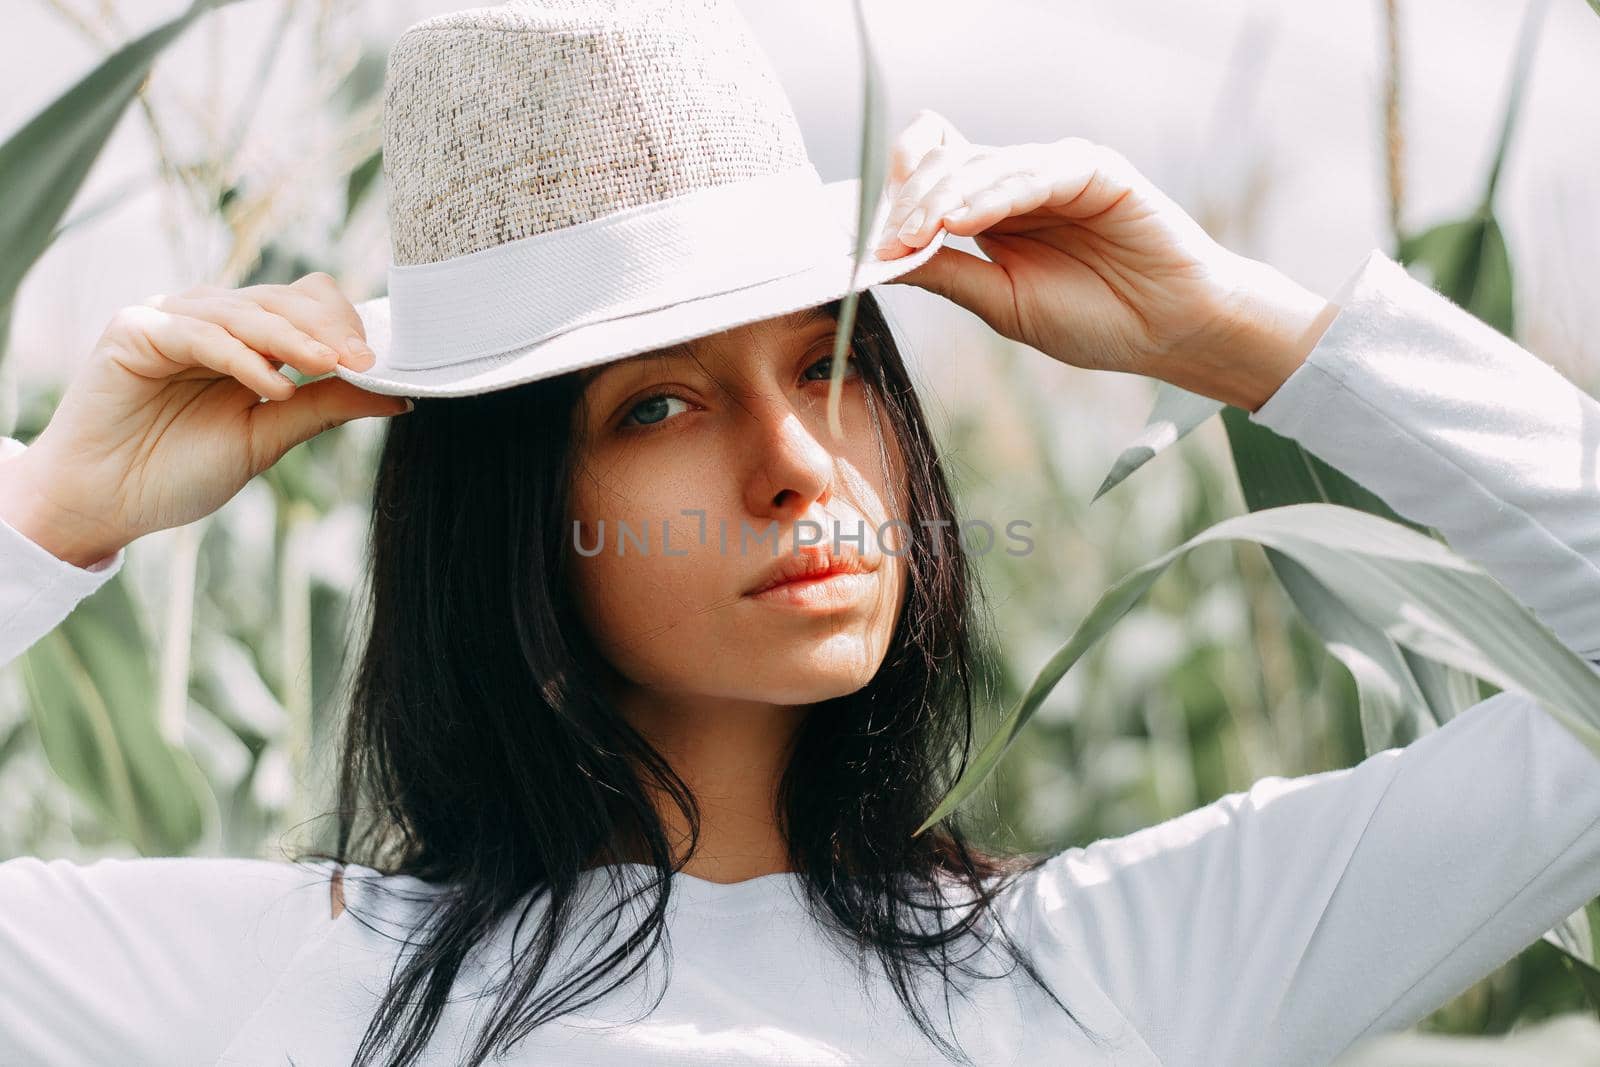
735	426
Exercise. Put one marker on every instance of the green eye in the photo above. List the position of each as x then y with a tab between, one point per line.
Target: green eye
826	363
652	410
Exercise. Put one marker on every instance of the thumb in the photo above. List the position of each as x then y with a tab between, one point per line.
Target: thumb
980	285
315	407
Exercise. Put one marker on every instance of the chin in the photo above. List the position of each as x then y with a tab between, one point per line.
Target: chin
834	667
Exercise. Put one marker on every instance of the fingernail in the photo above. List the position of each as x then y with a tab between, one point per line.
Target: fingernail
913	222
361	357
411	405
957	213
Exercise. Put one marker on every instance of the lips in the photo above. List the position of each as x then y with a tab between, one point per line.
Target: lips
810	563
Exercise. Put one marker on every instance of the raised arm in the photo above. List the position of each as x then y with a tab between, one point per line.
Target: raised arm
161	425
1279	925
1282	924
1457	427
155	960
1285	923
37	588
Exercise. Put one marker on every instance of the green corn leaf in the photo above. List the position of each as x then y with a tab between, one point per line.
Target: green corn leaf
1402	695
11	741
1445	692
1528	37
10	402
361	182
92	698
1175	413
1467	261
1393	707
1564	1039
1578	938
1408	586
1396	705
43	165
361	84
1274	471
874	166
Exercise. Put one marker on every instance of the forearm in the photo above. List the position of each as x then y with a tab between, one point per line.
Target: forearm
38	589
1447	420
26	508
1272	323
1458	428
1310	912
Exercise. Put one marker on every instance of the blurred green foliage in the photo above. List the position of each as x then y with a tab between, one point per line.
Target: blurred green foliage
1209	682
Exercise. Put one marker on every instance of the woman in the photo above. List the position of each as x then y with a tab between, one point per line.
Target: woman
651	807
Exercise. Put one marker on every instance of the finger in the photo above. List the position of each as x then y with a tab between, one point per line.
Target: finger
269	333
1073	177
1011	178
983	199
977	284
317	305
1086	179
318	406
159	344
927	130
930	170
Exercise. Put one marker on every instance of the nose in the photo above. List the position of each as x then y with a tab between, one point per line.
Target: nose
791	468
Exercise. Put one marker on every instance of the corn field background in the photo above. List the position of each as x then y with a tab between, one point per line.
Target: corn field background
188	708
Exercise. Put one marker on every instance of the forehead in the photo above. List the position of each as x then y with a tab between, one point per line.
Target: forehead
793	323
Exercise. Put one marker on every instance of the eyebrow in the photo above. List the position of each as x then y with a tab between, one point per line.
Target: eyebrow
803	318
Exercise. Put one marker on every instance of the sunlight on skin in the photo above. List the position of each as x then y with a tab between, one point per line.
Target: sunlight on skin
716	680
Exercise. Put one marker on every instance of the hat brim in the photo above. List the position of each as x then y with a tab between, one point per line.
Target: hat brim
629	335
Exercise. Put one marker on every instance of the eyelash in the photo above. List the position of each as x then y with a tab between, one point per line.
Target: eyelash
626	427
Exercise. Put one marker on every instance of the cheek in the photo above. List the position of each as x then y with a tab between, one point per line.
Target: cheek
654	617
650	607
873	479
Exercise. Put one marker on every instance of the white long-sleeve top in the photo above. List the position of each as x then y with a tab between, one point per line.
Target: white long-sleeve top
1275	927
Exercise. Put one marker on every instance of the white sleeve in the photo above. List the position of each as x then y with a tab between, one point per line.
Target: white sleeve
130	961
38	589
1283	924
145	961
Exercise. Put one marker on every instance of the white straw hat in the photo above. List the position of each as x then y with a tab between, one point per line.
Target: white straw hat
571	182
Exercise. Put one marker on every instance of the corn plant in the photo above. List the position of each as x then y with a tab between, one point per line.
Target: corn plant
177	710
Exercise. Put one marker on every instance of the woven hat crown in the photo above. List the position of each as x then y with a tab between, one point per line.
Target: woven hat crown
505	122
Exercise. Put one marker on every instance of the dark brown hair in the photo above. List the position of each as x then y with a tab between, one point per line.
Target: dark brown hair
479	755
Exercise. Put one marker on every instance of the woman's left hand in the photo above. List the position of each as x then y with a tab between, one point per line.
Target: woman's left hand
1093	265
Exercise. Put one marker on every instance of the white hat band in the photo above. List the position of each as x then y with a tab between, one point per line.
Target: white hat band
511	295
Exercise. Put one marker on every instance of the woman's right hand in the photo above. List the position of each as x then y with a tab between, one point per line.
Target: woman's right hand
164	422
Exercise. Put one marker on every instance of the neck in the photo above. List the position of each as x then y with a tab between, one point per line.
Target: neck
731	754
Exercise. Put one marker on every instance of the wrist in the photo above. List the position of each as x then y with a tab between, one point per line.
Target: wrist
1269	324
29	511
